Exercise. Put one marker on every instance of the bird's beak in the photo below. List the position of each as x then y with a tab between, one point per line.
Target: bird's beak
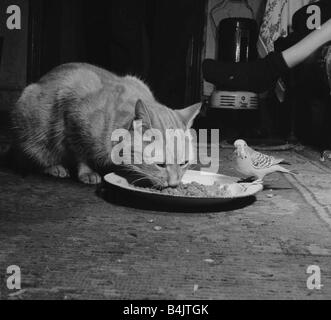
239	152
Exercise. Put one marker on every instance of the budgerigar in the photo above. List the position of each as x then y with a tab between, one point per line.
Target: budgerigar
255	164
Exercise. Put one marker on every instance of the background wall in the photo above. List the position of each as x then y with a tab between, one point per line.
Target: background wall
151	39
14	58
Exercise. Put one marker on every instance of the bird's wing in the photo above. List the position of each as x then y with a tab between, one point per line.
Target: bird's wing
256	155
262	161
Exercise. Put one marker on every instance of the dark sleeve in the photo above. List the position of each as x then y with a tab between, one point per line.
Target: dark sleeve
256	76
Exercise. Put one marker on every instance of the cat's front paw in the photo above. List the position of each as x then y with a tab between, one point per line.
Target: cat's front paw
57	172
90	178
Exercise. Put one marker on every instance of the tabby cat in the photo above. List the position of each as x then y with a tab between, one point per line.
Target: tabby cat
71	113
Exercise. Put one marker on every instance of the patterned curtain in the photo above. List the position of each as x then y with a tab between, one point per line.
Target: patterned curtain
277	22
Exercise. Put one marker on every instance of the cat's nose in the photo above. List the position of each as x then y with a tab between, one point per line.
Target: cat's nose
173	182
173	177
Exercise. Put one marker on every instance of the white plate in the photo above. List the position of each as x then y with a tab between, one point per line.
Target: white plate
238	190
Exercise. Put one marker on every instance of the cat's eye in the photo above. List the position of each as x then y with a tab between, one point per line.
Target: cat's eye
186	163
164	165
161	165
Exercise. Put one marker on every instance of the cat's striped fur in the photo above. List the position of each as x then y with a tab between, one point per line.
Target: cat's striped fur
72	111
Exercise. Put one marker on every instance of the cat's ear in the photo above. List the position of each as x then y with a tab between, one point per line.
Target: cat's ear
188	115
142	113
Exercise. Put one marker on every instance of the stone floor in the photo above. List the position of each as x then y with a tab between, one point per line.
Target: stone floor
72	244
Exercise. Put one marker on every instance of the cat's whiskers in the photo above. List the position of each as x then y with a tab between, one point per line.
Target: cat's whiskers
153	179
156	182
140	179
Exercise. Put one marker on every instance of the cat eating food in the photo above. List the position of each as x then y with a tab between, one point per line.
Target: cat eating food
69	116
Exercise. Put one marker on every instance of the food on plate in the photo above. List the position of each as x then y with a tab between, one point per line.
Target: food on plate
196	190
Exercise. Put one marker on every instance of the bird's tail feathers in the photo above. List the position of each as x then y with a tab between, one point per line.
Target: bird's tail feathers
281	169
280	161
